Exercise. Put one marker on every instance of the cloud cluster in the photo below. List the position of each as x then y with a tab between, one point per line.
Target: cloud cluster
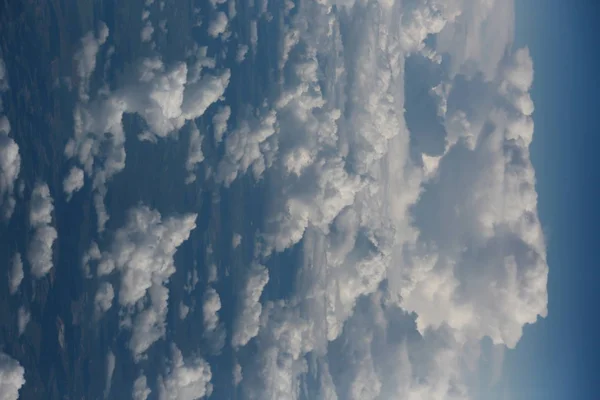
110	369
23	317
247	322
141	252
85	57
417	243
218	24
10	159
12	377
396	155
39	250
195	155
104	297
185	379
73	182
16	273
164	96
140	390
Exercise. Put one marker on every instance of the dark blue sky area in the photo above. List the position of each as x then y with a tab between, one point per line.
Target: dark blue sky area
558	357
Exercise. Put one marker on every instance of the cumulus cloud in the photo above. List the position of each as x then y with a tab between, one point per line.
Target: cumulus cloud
23	317
183	310
195	155
185	379
214	330
39	250
16	273
164	96
236	240
3	78
146	32
141	252
248	147
240	54
140	389
218	24
73	182
219	122
210	308
10	165
110	369
10	159
104	298
247	322
411	256
85	57
12	377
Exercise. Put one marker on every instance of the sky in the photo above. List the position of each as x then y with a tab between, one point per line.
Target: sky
558	356
413	187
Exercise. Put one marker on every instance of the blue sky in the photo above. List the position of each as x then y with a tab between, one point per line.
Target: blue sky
557	357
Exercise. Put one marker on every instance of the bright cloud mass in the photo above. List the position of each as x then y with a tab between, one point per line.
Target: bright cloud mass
354	228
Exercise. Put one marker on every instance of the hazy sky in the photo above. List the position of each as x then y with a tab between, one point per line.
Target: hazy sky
557	357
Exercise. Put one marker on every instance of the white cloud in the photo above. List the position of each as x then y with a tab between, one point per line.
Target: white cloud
183	310
142	253
219	122
146	32
91	254
12	377
16	273
246	147
10	166
39	250
213	274
236	240
23	317
162	24
237	374
185	380
210	308
104	298
164	96
73	182
385	229
253	36
85	57
140	389
3	79
192	280
218	25
247	323
241	52
110	369
214	331
195	155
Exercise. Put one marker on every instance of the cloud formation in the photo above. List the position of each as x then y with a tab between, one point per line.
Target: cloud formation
164	96
10	166
16	273
73	182
185	379
412	253
12	377
195	155
110	369
140	390
23	317
39	250
247	322
104	298
141	252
